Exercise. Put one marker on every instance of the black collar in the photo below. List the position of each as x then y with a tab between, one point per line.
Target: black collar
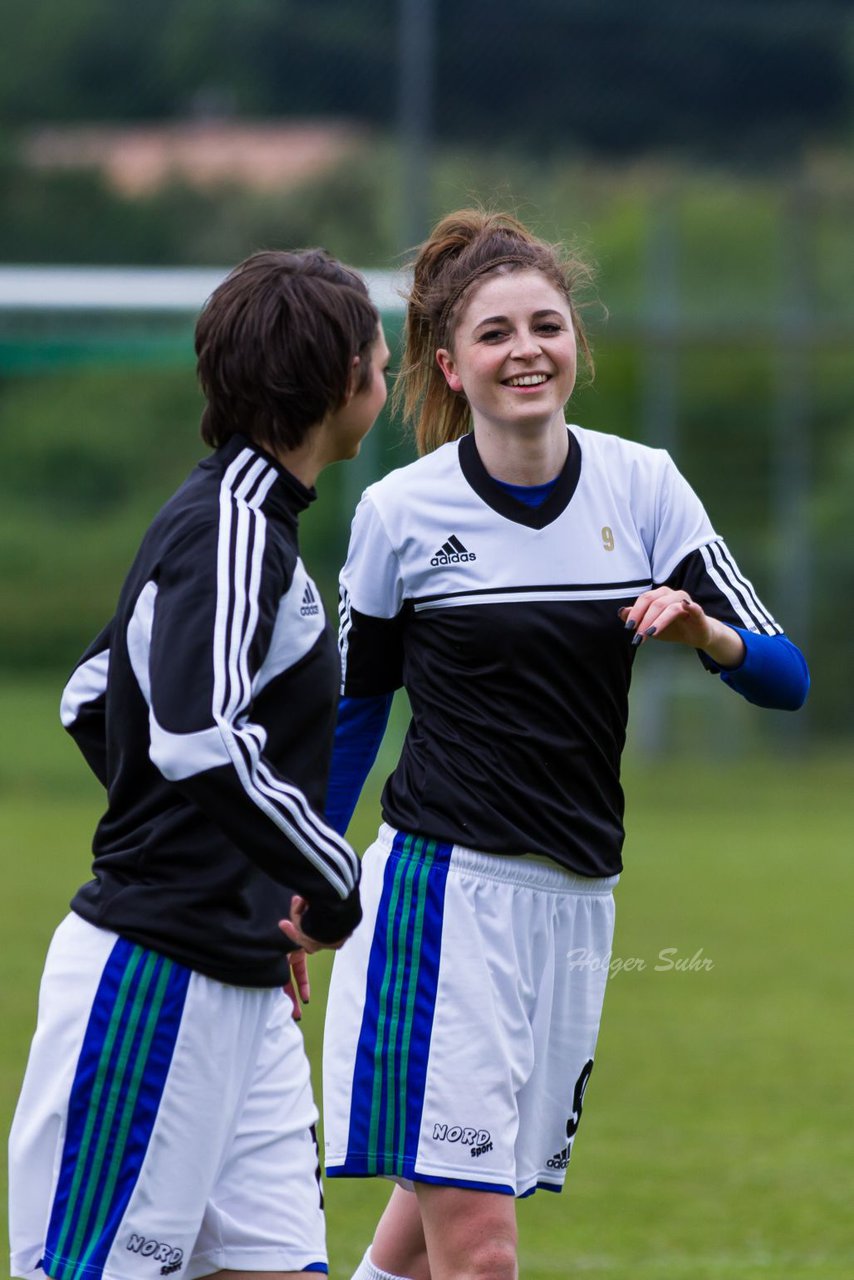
508	506
288	496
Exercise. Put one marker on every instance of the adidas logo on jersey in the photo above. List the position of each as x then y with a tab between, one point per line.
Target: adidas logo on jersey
452	552
309	606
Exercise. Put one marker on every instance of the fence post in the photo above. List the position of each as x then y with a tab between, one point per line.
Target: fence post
415	107
659	353
792	421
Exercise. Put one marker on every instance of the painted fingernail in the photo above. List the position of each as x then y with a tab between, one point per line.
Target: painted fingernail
630	624
650	631
636	640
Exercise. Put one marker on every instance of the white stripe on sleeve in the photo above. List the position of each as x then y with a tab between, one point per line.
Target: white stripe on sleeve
87	683
239	566
739	592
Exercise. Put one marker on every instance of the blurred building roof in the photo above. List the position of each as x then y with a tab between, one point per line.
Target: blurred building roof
138	159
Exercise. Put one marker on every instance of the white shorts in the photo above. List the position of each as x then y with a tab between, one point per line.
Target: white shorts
459	1037
165	1126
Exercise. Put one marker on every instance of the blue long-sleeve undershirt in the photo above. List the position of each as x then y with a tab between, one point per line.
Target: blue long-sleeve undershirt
773	672
358	733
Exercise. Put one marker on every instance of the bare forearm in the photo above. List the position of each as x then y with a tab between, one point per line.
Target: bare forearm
724	645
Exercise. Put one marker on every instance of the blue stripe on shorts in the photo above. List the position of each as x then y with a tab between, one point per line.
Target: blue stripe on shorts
394	1041
118	1084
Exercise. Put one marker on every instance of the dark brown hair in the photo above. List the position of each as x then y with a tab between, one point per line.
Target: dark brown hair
462	249
275	345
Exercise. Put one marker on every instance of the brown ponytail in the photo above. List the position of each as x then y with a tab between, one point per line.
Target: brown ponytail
464	247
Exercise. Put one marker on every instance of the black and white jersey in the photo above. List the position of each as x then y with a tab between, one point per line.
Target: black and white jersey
207	709
501	621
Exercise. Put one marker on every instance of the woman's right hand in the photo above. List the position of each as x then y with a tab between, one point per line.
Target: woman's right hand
292	929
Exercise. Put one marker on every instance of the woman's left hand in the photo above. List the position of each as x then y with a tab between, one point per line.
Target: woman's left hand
666	614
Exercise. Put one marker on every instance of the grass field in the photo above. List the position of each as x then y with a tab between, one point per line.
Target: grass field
717	1137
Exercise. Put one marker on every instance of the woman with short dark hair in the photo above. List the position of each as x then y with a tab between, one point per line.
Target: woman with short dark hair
166	1121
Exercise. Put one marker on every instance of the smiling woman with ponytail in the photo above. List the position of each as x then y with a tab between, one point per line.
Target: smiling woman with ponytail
507	579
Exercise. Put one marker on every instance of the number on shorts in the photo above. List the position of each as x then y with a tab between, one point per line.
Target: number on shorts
578	1098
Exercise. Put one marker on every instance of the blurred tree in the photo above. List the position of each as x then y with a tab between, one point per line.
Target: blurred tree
81	60
736	78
